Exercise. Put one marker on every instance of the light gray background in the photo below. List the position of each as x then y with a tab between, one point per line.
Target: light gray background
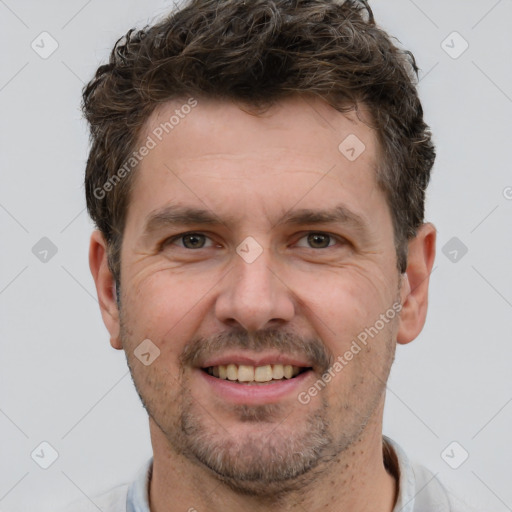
61	382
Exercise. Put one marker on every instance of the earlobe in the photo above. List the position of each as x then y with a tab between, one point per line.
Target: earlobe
105	286
415	282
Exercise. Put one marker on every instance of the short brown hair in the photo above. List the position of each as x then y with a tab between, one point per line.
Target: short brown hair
258	52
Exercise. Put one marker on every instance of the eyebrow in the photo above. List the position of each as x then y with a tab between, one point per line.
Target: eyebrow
176	215
338	215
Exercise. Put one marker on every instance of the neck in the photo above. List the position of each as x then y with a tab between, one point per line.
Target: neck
354	480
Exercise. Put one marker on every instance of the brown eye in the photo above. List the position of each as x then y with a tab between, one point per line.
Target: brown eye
190	241
193	241
319	240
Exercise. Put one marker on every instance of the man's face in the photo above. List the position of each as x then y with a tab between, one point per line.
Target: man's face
255	241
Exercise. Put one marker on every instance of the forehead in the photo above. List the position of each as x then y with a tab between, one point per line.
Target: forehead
225	156
299	120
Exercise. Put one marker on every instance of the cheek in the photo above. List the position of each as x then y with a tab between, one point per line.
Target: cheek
342	304
349	323
166	307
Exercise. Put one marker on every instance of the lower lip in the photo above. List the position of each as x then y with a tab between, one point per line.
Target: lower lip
265	393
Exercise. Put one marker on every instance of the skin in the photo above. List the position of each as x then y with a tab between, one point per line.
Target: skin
250	172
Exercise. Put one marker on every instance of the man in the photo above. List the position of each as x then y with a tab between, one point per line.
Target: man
257	176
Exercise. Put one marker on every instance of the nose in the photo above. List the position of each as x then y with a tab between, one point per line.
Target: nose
254	296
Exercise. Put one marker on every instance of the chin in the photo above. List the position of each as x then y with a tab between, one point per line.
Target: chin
262	453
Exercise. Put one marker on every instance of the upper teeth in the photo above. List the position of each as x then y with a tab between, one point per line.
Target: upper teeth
247	373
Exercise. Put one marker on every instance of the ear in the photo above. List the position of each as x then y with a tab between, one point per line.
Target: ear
415	281
105	286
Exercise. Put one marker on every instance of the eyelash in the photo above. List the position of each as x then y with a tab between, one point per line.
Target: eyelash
172	240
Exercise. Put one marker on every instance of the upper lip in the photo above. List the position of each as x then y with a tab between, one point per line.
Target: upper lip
254	359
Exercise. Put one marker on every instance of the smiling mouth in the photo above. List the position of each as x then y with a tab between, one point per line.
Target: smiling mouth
246	374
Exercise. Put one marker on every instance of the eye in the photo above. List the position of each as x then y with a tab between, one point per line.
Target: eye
190	241
317	241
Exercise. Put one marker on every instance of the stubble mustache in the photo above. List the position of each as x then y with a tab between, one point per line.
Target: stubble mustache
308	348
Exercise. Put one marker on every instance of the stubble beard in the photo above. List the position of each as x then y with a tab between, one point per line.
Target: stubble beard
272	460
277	457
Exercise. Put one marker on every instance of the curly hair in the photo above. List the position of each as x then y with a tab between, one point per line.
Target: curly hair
259	52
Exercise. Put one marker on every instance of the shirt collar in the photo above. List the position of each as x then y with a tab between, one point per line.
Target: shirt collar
399	465
395	460
137	499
